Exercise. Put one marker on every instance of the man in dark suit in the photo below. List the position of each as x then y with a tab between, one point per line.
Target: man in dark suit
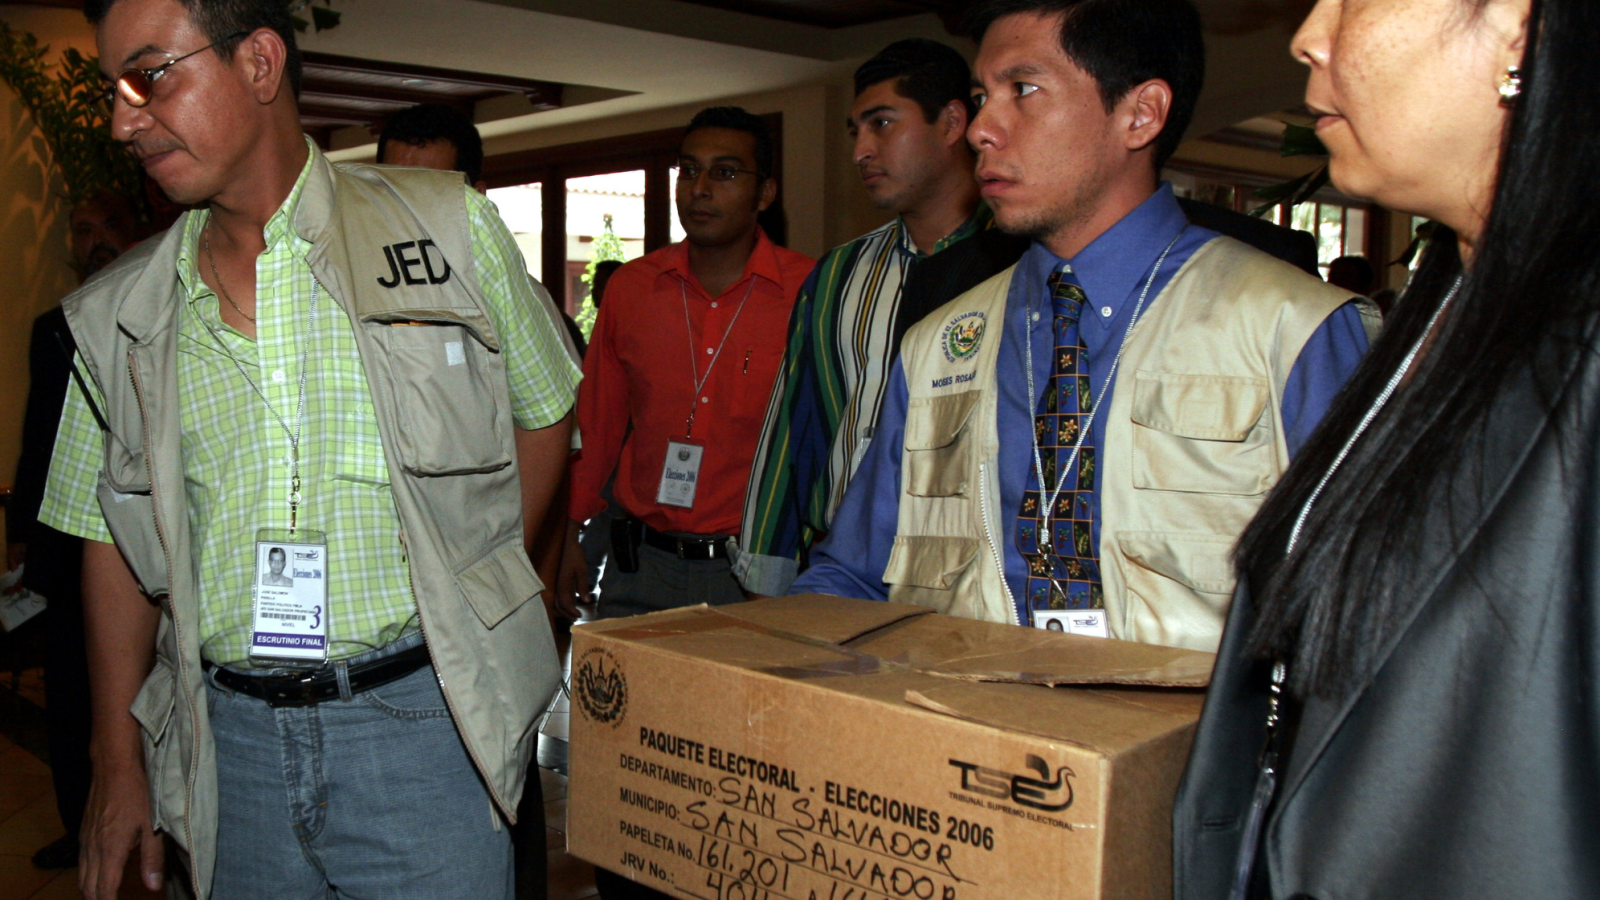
102	227
1298	248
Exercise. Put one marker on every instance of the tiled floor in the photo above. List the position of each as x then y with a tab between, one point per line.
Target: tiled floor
570	877
28	821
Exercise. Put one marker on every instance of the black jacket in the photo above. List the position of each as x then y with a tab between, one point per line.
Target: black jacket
936	280
1468	764
1298	248
54	558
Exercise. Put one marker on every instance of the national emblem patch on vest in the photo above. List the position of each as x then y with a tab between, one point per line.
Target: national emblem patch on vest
963	335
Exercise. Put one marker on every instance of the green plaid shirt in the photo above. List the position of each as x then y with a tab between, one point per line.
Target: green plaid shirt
236	454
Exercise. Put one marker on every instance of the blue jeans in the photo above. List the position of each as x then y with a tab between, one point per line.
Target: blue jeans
367	797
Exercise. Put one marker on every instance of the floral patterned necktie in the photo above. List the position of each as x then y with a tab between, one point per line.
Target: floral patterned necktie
1063	570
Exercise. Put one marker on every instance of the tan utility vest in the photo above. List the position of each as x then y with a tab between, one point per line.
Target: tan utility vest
1194	439
447	436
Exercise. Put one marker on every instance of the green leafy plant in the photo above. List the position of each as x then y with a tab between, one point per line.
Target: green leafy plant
322	17
63	104
1298	140
606	246
1419	239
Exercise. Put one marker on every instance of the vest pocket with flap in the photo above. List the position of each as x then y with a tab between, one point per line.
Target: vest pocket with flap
1202	434
1178	587
498	582
153	709
938	444
929	561
441	379
130	515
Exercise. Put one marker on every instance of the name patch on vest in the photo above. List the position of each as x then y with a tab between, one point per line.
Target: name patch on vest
408	257
950	380
962	336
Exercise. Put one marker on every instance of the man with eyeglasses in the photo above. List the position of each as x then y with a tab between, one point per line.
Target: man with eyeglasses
677	376
676	381
306	429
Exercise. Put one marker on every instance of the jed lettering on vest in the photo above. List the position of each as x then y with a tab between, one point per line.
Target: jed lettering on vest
401	265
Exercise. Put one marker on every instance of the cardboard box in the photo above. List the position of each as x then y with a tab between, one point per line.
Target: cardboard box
817	748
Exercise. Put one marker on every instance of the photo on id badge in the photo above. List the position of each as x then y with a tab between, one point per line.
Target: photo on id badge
291	597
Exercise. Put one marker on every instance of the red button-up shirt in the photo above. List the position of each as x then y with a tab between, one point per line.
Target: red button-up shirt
637	371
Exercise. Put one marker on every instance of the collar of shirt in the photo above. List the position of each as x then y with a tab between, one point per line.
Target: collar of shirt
980	219
763	262
279	228
1112	270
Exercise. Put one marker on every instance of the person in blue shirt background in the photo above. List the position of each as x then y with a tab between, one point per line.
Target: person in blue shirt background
1081	102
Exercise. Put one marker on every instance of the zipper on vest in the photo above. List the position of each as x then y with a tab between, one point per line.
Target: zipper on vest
994	548
177	630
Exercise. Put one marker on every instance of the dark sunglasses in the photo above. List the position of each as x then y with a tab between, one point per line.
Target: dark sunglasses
136	86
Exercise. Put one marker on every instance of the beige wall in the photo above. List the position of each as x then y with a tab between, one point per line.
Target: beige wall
821	194
851	214
822	210
1244	159
35	268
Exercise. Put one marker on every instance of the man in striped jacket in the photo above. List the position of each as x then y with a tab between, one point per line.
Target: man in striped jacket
909	125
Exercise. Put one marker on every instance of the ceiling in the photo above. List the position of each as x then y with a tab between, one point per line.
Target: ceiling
839	13
525	65
341	91
1220	16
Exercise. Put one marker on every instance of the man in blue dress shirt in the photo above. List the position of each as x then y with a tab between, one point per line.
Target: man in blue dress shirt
1083	437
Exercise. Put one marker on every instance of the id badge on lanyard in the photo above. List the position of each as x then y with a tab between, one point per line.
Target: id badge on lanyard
1087	622
289	572
680	474
290	620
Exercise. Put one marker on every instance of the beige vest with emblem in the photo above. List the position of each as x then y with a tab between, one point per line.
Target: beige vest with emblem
447	437
1194	439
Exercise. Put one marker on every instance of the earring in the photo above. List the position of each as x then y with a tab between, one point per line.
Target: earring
1510	86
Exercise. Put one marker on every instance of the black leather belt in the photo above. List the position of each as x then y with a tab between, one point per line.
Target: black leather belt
687	547
321	684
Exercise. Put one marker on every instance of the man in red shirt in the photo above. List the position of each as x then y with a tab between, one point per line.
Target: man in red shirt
677	378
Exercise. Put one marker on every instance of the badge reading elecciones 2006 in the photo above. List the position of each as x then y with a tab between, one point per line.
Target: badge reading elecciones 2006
963	336
601	688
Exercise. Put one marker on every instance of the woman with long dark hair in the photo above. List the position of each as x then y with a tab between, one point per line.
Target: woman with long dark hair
1407	699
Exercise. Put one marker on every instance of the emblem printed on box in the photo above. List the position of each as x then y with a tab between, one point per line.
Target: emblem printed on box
600	686
1042	793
